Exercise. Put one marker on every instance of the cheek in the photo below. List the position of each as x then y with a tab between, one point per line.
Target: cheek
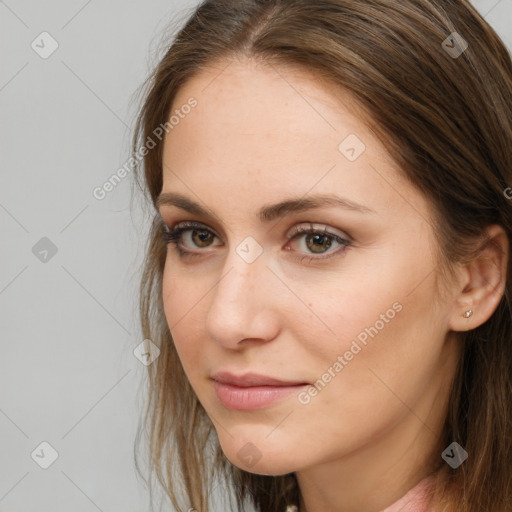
181	292
388	344
182	308
379	320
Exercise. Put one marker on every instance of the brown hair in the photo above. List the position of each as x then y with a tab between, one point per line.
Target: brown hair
446	120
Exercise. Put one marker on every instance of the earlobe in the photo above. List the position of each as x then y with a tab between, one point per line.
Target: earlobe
484	281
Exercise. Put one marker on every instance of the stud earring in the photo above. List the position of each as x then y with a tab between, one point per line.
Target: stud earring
468	313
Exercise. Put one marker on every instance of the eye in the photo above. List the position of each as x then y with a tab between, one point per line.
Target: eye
198	236
318	241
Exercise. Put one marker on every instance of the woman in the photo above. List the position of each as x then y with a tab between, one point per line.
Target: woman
328	275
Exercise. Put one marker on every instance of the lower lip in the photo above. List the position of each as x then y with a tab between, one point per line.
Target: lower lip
256	397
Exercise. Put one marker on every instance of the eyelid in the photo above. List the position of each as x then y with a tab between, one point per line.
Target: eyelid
321	228
189	224
297	229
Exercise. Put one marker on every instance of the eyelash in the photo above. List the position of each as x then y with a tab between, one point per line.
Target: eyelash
173	235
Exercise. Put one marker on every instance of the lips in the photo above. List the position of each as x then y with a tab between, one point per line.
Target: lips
252	391
252	379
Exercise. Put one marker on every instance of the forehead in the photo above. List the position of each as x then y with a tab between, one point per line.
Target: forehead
283	107
266	131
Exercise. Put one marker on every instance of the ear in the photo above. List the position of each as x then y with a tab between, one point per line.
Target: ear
482	281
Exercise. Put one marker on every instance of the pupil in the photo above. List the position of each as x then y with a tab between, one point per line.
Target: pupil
202	236
319	242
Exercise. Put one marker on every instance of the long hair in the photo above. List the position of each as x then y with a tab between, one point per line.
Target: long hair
444	112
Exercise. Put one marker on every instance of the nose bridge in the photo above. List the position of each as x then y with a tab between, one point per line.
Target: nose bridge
239	280
244	268
237	288
240	299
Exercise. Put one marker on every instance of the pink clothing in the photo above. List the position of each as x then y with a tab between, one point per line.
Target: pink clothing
414	500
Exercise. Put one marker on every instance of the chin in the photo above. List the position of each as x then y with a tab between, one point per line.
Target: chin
259	457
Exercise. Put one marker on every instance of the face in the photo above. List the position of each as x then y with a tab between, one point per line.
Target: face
336	298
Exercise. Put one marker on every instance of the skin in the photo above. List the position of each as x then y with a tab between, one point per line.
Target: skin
261	134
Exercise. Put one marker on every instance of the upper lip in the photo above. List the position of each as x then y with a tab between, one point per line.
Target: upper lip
251	379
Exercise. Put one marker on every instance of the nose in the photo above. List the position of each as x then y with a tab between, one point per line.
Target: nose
243	306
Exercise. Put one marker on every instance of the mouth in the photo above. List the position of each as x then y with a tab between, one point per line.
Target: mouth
252	391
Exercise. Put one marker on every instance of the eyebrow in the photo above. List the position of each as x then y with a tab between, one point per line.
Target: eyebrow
270	212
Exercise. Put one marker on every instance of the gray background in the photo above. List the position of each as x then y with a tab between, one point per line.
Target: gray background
68	320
